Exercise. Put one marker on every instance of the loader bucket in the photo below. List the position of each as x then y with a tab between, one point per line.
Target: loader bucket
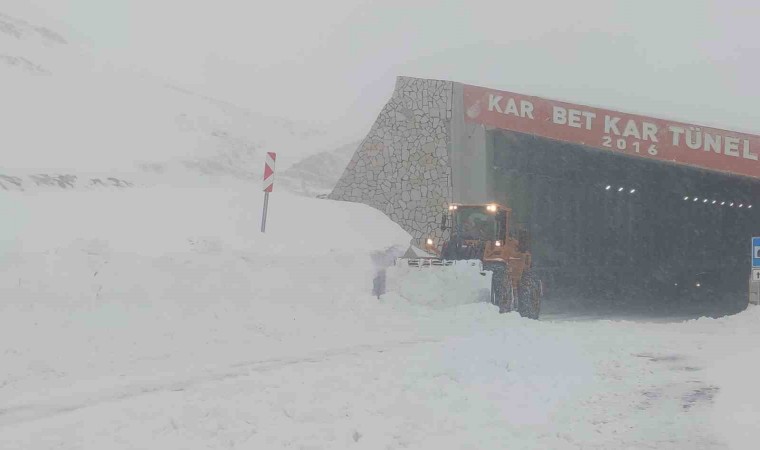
439	283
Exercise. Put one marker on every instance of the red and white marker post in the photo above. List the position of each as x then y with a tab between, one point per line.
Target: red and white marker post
268	186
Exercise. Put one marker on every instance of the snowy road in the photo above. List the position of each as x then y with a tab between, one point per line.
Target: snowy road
532	385
73	399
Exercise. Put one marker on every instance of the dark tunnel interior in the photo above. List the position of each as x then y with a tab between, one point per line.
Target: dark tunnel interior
617	234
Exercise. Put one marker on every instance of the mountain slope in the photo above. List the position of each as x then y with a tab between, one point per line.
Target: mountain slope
316	175
69	111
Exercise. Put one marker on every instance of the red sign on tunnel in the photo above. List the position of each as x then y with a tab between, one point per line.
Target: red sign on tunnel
647	137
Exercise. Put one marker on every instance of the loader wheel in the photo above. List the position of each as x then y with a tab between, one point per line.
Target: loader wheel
501	287
529	296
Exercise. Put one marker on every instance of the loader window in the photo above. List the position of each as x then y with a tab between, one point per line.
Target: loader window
475	223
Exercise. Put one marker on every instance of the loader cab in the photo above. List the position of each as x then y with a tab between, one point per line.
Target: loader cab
479	222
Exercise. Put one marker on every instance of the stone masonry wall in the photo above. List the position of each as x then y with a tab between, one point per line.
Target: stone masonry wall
402	167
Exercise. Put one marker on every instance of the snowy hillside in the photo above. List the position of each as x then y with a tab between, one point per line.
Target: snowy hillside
316	175
68	112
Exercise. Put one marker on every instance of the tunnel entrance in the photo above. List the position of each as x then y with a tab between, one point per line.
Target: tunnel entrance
619	235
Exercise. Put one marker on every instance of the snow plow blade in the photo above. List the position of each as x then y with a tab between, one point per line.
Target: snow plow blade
437	282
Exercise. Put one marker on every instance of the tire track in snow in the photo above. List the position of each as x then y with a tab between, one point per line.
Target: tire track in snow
19	414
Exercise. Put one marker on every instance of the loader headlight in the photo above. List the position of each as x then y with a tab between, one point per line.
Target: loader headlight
429	241
491	208
452	207
497	243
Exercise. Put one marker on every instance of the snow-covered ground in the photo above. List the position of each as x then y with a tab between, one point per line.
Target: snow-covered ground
160	317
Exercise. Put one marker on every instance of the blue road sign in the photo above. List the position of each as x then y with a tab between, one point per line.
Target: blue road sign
756	252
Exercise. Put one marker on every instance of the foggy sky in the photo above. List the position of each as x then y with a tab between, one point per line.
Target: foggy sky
334	62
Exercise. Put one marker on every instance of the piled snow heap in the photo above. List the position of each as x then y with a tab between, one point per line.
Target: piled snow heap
440	286
181	244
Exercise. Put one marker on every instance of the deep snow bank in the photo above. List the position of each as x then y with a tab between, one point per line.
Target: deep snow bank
132	281
50	242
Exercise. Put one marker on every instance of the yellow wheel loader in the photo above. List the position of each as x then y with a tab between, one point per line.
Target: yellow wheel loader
481	261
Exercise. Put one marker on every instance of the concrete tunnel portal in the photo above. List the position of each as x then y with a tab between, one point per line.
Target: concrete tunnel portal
617	234
627	214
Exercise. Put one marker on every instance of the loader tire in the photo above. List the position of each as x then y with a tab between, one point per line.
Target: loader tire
501	287
529	296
